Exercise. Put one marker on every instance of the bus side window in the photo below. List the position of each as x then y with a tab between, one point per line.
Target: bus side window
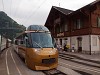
27	41
21	42
16	42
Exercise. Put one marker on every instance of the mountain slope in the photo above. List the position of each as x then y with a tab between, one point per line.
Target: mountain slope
8	27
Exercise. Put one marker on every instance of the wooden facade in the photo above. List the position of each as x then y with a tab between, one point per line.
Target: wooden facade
82	23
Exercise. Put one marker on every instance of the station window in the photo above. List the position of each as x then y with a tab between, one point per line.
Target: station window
98	21
61	28
60	41
78	24
57	29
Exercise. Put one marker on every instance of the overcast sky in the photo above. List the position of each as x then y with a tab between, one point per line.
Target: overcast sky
29	12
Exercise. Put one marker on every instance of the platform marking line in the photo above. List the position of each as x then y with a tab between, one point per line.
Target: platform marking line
15	63
7	64
81	67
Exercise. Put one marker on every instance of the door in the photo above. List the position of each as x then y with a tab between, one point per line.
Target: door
79	40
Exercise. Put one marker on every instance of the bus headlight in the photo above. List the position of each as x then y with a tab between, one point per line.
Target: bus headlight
55	50
37	49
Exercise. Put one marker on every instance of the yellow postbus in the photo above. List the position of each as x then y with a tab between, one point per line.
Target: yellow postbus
37	47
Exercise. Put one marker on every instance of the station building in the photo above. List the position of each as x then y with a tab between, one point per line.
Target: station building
79	30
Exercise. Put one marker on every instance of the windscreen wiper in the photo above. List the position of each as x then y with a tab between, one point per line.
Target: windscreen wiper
37	44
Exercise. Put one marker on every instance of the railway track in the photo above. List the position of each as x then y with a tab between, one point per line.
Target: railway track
54	72
58	72
77	57
83	66
80	61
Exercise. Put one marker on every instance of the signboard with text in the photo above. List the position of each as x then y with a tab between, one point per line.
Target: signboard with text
60	34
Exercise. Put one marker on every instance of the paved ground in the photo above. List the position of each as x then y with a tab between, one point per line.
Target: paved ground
11	64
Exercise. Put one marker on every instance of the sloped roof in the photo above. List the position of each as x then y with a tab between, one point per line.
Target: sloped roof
63	10
59	9
86	7
96	1
70	12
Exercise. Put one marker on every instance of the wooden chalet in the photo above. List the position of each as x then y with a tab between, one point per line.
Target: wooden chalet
79	29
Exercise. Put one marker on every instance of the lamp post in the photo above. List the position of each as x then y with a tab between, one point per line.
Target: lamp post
90	30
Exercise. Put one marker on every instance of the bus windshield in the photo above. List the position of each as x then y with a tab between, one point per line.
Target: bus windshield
42	40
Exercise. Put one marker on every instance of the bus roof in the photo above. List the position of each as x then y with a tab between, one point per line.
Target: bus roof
37	28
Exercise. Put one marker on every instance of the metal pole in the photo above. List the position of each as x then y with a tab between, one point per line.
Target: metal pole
90	43
90	30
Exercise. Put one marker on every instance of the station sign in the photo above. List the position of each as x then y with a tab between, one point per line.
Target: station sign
60	34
